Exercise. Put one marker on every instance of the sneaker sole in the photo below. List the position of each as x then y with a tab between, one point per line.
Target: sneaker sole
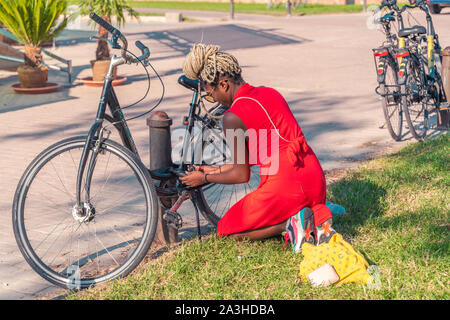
307	217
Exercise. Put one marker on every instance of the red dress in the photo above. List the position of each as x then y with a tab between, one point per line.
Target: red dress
299	180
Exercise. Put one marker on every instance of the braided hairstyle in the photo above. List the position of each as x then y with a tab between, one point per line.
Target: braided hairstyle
207	63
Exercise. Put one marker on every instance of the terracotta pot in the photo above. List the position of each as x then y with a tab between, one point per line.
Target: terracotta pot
100	68
30	77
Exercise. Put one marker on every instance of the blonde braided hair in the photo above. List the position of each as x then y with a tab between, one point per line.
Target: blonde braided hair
207	63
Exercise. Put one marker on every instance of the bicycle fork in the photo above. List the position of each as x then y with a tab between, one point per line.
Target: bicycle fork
84	211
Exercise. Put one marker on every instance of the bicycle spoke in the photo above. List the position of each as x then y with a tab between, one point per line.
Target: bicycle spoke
92	241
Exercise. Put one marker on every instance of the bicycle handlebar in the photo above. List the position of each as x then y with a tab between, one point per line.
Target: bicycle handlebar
145	50
117	34
392	4
103	23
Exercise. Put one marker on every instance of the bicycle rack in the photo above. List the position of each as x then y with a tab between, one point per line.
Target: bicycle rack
67	69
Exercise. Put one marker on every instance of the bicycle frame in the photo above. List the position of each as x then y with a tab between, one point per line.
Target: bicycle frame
95	136
207	123
108	98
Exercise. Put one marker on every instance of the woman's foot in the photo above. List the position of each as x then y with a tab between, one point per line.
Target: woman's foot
299	229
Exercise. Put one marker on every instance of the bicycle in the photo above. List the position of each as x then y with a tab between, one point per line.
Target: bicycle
85	210
386	64
420	82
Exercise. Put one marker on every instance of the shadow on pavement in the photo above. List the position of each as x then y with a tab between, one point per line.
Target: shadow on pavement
228	37
11	101
69	37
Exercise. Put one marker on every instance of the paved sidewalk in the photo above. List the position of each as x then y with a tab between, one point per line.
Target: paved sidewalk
323	66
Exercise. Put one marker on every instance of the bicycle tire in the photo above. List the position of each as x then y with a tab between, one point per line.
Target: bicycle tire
391	102
415	110
91	266
214	207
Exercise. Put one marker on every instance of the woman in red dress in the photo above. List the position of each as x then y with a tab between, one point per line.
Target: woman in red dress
291	195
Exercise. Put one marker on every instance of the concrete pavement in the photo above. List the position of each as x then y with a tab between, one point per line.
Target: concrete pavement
323	66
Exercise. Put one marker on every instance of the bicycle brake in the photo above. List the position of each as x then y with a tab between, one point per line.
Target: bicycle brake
100	139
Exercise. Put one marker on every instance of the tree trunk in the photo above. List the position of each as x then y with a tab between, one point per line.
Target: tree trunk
33	56
102	52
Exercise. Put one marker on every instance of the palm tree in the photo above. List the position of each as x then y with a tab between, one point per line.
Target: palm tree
33	22
107	9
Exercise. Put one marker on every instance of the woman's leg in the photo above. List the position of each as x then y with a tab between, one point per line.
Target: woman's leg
260	234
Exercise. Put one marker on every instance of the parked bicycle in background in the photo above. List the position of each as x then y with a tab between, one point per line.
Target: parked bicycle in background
421	85
409	80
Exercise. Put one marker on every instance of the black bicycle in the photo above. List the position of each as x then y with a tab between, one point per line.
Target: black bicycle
387	66
420	82
85	210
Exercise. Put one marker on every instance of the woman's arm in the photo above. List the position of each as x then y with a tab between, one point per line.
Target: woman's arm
236	172
213	169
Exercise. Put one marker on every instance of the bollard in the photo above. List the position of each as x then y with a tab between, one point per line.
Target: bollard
160	157
160	144
444	112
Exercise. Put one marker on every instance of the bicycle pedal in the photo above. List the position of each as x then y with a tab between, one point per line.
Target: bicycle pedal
173	219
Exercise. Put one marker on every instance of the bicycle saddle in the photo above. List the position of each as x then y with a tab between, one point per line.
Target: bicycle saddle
413	30
188	83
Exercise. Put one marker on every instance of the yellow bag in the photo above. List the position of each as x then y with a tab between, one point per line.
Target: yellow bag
349	264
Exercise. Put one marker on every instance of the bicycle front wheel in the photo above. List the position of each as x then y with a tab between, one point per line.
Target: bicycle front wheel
391	102
112	235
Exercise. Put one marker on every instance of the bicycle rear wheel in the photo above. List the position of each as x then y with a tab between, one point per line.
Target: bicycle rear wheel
214	200
414	102
112	235
391	102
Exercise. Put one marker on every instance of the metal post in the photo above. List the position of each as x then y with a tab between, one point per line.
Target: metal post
160	142
160	157
232	9
444	112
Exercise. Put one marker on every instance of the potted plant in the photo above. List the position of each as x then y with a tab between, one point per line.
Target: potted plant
107	9
33	22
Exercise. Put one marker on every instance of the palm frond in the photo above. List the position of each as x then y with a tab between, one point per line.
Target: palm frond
110	9
33	22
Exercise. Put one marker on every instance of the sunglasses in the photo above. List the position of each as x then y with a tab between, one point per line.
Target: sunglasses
208	97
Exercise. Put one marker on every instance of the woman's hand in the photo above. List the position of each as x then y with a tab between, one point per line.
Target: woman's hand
194	178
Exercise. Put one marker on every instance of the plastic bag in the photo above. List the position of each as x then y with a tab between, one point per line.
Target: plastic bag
349	264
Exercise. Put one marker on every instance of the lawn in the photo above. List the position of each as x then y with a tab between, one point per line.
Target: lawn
398	219
255	8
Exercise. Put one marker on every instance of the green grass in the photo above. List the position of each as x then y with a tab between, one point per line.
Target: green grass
151	14
254	8
398	219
